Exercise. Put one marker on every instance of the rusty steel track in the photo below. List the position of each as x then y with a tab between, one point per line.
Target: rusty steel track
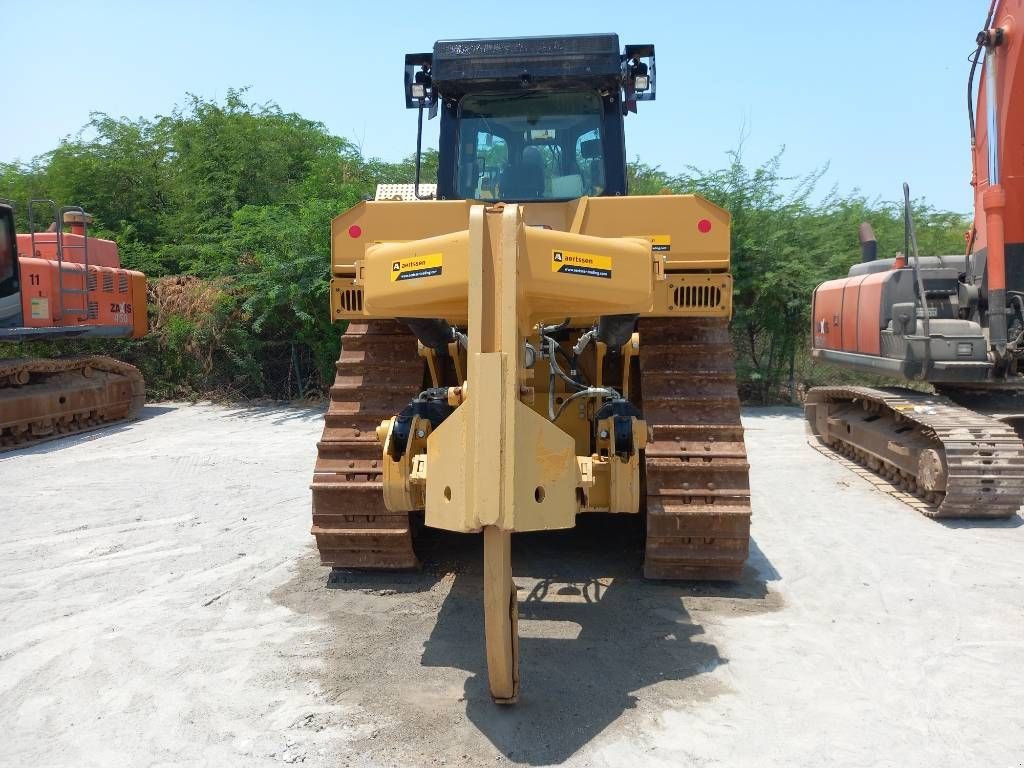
958	462
697	485
42	399
378	372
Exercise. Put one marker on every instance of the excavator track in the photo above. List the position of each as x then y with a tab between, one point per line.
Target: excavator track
956	462
42	399
697	484
378	372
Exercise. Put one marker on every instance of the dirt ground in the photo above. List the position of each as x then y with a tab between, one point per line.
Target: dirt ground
161	603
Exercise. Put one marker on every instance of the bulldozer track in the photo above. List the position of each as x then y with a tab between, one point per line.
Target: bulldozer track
983	457
697	475
697	487
43	399
378	372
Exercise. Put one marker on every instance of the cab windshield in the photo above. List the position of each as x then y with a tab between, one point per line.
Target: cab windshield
530	146
6	249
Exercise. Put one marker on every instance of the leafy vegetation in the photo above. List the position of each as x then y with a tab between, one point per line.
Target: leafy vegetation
227	205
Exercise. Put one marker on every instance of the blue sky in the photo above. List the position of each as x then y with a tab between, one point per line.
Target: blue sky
875	90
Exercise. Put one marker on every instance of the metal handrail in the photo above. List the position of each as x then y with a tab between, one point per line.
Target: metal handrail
58	228
908	218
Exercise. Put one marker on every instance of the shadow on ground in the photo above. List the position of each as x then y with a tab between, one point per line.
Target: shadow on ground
593	633
277	413
1014	521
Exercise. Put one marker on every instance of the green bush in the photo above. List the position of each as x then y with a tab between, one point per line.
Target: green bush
226	206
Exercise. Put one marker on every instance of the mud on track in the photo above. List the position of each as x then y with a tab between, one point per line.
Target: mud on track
161	605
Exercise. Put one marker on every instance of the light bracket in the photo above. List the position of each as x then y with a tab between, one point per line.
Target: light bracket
638	75
419	81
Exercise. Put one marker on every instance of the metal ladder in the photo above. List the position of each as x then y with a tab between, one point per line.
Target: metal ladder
65	304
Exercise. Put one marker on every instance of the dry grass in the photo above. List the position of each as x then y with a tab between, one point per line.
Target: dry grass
182	295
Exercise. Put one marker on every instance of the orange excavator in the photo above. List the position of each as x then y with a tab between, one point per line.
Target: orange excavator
56	283
955	322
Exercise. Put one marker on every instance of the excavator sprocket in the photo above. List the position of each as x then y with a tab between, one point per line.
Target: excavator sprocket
697	485
42	399
378	373
955	461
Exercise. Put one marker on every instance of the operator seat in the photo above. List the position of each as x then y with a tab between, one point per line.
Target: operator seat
594	176
526	179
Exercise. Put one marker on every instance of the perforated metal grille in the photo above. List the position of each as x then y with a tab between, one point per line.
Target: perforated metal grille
403	191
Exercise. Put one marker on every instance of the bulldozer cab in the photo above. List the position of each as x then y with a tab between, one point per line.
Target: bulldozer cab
531	119
538	146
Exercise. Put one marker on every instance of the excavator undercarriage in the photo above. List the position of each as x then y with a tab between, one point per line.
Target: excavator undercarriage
42	399
955	461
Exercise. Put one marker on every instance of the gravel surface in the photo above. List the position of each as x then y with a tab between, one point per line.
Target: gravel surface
161	603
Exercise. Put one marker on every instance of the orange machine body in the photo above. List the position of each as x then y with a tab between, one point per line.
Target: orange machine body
115	298
968	305
847	314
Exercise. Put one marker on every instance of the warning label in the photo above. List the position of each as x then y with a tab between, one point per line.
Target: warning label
40	309
588	264
428	265
659	243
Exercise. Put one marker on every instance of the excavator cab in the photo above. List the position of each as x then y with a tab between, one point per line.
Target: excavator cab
531	119
10	294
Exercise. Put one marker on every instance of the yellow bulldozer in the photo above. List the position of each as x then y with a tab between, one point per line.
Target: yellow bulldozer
525	341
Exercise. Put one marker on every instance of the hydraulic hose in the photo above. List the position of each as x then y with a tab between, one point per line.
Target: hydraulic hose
605	392
970	78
